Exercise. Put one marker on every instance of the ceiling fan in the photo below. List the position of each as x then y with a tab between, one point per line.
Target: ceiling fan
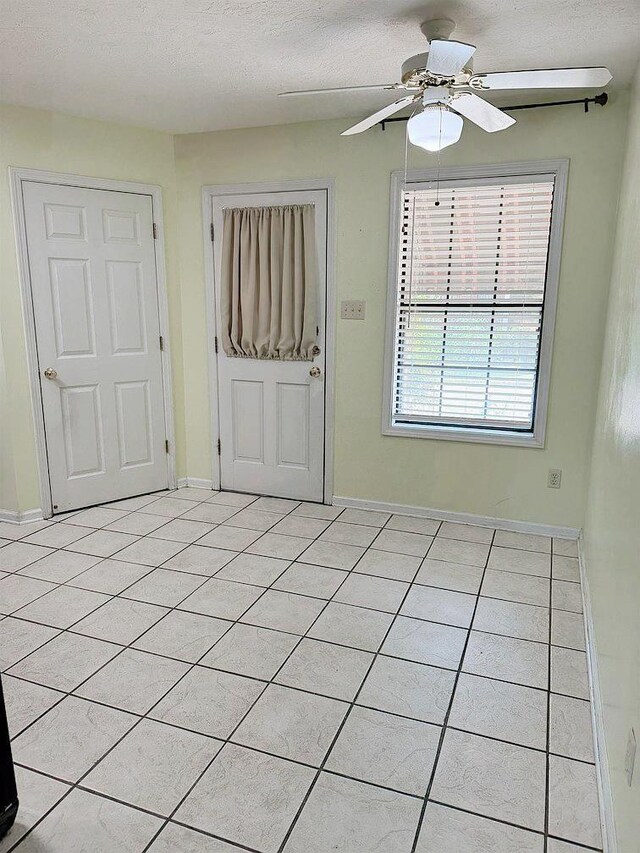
437	84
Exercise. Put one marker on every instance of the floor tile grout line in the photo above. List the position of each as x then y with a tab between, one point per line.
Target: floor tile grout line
514	825
189	670
251	707
170	519
311	692
153	568
448	711
65	695
90	532
464	810
352	704
103	756
548	744
204	832
122	650
76	633
154	814
98	557
177	607
40	819
166	820
64	517
112	596
130	645
120	594
366	782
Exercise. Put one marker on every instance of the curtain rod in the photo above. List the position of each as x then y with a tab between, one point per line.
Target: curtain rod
600	99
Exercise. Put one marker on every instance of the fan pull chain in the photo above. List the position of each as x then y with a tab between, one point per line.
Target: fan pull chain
413	229
413	210
406	155
437	201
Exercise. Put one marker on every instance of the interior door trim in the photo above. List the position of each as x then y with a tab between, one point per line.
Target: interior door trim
212	191
16	178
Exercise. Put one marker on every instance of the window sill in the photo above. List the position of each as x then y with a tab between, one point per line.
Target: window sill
465	434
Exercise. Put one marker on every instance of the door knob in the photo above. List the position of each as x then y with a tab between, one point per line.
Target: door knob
50	373
315	371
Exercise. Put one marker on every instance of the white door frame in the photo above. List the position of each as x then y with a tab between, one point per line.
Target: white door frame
16	178
212	191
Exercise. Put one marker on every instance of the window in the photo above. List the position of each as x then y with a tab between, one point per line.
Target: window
473	281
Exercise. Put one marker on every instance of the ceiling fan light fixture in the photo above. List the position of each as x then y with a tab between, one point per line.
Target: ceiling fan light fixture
435	127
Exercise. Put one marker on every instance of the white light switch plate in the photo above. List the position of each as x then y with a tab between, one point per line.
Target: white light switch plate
352	310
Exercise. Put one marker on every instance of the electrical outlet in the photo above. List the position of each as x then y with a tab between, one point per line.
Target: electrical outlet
554	478
352	310
630	756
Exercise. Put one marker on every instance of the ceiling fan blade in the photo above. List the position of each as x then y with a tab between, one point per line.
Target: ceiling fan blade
448	58
366	123
551	78
480	112
371	88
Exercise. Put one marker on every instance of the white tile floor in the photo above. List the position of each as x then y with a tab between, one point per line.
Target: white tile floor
197	672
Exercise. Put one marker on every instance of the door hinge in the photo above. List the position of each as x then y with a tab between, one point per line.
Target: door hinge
211	230
219	447
215	343
161	343
166	445
155	231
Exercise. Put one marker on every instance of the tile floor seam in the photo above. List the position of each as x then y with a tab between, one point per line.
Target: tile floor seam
516	826
438	802
548	716
310	693
449	707
326	602
352	704
169	609
115	595
119	740
123	649
249	709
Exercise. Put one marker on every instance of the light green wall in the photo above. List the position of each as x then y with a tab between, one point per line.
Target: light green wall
612	538
507	482
61	143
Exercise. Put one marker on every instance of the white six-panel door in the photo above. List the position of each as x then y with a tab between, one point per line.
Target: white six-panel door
272	413
93	279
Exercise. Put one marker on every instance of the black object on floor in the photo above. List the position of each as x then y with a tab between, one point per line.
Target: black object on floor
8	790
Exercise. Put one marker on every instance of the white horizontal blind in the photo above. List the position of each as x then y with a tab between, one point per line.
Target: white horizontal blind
470	295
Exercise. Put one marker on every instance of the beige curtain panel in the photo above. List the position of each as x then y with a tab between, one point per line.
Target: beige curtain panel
269	282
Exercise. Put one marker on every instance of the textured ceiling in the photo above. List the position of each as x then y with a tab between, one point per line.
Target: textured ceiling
196	65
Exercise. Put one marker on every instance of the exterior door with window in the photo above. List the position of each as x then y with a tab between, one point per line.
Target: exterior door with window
93	280
272	412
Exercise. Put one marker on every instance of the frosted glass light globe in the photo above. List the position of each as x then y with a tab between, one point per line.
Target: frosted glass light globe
435	128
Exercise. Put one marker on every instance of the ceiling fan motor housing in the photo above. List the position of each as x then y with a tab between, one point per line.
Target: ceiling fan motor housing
414	75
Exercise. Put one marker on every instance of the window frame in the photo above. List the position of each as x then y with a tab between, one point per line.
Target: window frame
559	170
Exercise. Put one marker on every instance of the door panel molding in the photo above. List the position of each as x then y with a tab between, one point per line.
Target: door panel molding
16	178
213	191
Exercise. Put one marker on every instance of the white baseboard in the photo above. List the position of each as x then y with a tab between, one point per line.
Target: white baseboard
24	517
609	841
194	482
461	517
